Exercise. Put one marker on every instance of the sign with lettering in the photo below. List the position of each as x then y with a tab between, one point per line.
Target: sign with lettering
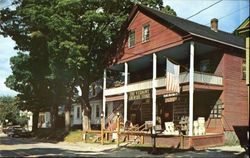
137	95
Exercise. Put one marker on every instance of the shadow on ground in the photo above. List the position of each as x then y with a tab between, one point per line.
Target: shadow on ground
46	152
119	152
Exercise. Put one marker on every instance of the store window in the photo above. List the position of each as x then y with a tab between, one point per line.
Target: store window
217	109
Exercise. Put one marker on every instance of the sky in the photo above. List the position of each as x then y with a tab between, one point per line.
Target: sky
231	13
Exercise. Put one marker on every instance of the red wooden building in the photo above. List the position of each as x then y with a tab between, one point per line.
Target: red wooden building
211	76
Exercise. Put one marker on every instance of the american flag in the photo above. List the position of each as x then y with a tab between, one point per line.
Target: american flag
172	77
172	83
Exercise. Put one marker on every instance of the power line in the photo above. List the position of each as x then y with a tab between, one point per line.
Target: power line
204	9
231	13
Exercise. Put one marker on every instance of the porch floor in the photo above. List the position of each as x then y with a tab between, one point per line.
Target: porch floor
174	141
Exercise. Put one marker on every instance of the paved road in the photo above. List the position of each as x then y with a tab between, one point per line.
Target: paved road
22	147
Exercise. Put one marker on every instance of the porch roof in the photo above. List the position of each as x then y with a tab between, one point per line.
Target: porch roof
177	53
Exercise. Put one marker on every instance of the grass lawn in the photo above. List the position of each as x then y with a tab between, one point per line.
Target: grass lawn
74	136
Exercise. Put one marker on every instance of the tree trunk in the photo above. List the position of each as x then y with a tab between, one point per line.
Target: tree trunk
54	116
67	114
86	108
35	120
86	113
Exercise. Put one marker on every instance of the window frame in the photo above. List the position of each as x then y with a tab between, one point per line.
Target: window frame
143	28
243	70
129	38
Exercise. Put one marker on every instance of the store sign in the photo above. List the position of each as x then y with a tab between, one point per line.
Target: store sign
137	95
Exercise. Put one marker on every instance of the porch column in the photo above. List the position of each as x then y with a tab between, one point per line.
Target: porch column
104	97
125	92
154	92
191	89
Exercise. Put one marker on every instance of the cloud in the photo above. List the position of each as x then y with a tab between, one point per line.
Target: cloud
6	51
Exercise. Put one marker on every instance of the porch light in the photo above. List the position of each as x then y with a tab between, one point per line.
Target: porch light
102	114
118	114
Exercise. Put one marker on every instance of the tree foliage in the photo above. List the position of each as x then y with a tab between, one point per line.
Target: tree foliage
10	110
69	43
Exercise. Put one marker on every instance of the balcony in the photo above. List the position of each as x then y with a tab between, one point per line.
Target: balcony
199	77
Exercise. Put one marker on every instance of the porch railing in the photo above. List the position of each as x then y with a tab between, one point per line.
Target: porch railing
160	82
202	78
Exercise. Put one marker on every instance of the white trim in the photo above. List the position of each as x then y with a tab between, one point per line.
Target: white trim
104	88
154	91
125	92
191	90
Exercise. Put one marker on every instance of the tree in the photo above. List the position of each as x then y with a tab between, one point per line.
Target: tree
75	39
29	69
10	110
168	10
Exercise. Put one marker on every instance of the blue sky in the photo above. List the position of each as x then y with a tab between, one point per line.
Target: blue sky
231	13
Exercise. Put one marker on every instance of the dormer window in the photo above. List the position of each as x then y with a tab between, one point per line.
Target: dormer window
131	38
145	33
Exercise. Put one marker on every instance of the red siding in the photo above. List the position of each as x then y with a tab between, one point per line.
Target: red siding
160	37
235	93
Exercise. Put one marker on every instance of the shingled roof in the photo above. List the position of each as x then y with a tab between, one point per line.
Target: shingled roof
196	29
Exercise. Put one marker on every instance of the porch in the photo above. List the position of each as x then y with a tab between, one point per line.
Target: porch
200	78
147	75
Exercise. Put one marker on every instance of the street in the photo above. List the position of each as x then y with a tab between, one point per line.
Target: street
27	147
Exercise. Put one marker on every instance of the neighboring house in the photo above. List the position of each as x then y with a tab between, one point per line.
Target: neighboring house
95	98
244	31
211	76
76	115
29	114
44	120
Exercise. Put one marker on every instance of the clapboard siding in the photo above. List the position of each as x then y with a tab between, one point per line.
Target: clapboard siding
160	37
234	94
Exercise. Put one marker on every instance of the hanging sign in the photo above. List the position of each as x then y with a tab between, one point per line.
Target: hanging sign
137	95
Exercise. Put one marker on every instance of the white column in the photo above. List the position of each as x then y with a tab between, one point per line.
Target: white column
154	91
191	89
125	92
104	88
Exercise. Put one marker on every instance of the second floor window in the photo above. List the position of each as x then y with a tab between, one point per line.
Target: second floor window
131	38
145	33
244	69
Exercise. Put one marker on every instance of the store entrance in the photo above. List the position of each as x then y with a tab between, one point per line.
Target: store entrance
139	111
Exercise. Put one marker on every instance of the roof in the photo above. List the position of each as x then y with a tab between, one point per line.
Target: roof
99	96
244	26
195	29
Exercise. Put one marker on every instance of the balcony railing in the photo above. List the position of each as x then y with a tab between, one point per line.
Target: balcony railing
201	78
160	82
